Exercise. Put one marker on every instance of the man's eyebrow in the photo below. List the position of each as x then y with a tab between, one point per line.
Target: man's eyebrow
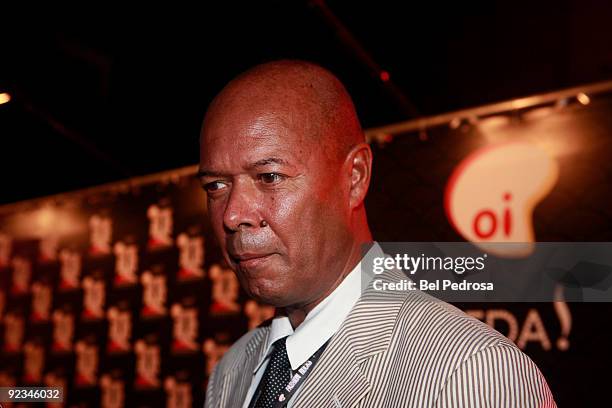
269	160
259	163
203	173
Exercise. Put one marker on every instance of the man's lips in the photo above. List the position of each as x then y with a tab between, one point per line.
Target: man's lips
250	260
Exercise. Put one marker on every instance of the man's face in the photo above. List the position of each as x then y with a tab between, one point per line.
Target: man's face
259	166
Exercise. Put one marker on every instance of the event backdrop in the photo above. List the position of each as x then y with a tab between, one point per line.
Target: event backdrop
119	293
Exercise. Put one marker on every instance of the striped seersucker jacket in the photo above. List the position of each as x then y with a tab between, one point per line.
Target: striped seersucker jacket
398	349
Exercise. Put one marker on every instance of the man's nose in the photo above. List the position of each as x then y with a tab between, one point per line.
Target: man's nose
241	207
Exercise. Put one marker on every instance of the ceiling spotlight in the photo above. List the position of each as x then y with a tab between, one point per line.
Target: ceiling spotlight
583	98
455	123
4	97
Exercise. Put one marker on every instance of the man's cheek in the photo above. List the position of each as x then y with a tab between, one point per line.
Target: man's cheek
284	215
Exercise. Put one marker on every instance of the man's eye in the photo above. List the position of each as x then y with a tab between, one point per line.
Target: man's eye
271	178
213	186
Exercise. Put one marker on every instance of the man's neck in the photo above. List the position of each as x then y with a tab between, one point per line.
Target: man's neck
298	314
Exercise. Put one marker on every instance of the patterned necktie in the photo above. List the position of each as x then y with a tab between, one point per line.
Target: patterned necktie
276	376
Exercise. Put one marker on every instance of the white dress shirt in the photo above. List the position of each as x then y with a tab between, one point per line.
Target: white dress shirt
319	325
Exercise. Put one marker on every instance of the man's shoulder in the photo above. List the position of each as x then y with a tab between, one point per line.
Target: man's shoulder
417	323
422	315
426	317
447	346
434	318
441	345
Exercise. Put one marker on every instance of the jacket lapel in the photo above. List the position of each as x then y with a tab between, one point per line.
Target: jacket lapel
237	380
344	387
337	380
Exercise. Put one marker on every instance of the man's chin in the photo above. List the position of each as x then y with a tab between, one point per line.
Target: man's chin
269	296
270	299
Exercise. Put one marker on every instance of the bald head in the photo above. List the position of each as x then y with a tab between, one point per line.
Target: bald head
304	96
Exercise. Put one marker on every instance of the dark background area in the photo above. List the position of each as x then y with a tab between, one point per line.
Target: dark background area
106	93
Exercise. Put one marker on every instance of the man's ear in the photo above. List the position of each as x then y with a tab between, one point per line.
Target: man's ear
360	167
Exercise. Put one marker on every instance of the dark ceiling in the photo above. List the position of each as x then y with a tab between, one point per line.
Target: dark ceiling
106	93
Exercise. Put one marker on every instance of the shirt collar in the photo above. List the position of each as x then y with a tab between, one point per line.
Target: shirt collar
322	322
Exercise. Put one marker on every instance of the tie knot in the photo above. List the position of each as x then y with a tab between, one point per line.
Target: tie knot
280	343
279	356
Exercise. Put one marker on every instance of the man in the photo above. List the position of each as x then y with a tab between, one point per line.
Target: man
286	170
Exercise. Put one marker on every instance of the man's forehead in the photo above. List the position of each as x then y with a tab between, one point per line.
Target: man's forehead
267	119
263	133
